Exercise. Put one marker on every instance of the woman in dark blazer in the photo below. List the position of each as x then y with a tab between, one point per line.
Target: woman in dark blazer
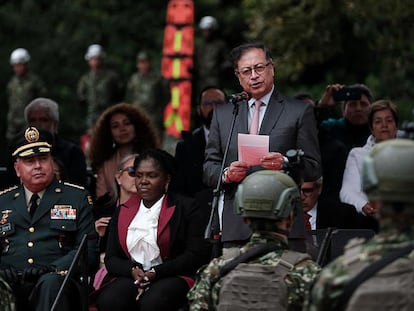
155	242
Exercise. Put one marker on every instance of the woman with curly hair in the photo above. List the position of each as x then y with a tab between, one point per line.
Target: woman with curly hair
122	129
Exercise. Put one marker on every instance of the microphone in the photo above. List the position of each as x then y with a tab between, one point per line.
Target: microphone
239	97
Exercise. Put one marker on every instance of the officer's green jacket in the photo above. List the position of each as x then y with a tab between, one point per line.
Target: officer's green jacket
52	236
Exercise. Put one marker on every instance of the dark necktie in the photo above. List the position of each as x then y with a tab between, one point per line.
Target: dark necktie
34	202
307	222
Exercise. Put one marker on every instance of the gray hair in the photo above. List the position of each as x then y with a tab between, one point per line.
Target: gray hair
41	103
125	159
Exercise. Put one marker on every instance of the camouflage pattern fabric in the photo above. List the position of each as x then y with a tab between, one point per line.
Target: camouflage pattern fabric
205	295
151	93
98	92
21	91
337	274
210	63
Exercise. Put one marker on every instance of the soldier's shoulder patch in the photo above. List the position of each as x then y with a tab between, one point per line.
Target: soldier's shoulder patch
8	190
73	185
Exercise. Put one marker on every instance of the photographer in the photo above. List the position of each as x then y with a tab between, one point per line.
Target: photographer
338	136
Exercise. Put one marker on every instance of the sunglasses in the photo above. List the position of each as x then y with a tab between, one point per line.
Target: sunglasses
130	170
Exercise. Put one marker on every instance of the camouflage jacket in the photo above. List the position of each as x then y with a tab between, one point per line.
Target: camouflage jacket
150	92
98	92
21	91
338	273
205	295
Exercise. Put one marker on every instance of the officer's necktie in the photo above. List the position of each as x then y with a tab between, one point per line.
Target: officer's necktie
254	126
34	202
307	222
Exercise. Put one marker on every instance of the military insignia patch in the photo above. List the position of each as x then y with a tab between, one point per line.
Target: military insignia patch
4	216
32	135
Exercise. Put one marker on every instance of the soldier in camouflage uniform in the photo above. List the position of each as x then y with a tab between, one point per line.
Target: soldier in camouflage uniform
149	90
100	87
22	88
211	56
388	181
266	200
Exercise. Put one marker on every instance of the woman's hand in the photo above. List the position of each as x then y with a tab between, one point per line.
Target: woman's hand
101	225
369	210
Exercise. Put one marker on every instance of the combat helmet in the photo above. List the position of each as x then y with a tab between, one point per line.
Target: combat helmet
208	22
266	194
388	171
19	56
94	50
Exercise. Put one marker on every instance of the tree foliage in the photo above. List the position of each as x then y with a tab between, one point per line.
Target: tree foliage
324	41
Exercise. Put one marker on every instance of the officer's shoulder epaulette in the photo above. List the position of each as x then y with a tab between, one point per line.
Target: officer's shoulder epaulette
73	185
8	190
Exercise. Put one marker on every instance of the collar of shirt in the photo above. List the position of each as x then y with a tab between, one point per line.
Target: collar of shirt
29	194
206	131
265	99
313	213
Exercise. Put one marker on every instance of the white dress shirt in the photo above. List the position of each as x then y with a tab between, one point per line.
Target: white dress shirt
142	236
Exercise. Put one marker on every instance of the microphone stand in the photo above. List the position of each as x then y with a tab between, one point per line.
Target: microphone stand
213	231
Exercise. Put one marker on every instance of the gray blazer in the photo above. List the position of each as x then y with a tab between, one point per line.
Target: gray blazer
290	124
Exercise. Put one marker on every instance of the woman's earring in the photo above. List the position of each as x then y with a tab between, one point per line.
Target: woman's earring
113	144
166	188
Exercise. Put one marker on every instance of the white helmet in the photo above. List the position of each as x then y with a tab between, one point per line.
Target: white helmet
94	50
208	22
19	56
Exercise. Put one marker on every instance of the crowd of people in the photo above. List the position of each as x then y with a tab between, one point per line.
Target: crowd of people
148	215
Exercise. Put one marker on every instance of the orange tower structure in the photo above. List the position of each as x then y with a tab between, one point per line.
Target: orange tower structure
177	63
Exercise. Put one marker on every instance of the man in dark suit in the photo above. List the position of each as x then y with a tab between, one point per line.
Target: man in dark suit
289	123
42	224
189	153
322	212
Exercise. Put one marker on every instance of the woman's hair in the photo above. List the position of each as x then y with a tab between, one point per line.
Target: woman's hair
101	148
382	105
164	161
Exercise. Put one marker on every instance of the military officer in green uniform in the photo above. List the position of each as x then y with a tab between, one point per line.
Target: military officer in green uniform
42	222
388	181
266	275
100	87
22	88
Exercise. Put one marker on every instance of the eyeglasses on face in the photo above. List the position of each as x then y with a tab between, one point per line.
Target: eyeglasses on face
129	169
308	191
248	71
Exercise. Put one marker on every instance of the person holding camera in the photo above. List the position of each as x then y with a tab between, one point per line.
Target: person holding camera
338	136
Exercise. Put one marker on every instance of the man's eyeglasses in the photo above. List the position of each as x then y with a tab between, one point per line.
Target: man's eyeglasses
307	191
248	71
130	170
